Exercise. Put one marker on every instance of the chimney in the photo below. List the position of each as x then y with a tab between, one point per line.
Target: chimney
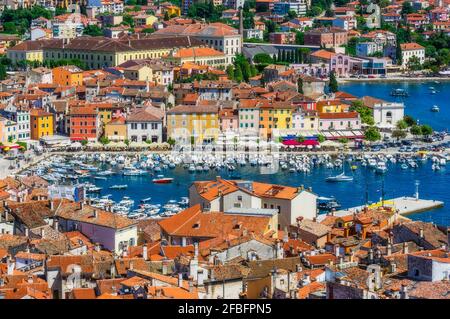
113	270
180	280
389	249
26	232
131	265
97	247
191	284
285	235
341	260
164	267
336	250
393	267
10	266
56	224
145	252
200	277
421	233
30	279
94	213
52	204
195	250
279	250
405	247
404	292
370	255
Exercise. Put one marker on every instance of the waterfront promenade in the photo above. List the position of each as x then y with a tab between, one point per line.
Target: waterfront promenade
405	205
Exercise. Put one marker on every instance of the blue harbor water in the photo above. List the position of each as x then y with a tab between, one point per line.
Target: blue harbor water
417	104
396	182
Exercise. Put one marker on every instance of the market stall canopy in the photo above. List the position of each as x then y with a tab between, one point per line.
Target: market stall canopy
297	143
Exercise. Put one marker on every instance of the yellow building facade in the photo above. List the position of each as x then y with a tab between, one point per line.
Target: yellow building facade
41	124
275	116
116	130
193	123
331	106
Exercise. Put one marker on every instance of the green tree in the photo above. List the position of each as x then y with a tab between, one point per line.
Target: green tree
409	120
407	8
372	134
414	64
333	85
104	140
171	141
238	74
292	14
84	142
402	125
148	30
166	16
300	85
230	71
415	130
320	138
2	72
93	30
263	58
399	134
426	130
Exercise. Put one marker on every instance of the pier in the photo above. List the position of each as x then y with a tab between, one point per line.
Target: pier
405	205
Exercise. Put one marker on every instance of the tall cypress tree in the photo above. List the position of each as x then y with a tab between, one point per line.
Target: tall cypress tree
300	85
333	85
238	74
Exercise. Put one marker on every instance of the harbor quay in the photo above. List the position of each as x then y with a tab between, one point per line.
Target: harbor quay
404	205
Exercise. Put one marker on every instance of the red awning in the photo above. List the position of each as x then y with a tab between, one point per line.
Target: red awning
10	146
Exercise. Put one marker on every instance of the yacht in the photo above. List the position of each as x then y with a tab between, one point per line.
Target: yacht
340	178
435	108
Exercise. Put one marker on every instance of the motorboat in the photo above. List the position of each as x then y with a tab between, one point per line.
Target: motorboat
435	108
339	178
404	166
91	188
162	180
372	162
102	178
399	92
328	204
125	186
134	172
381	168
184	201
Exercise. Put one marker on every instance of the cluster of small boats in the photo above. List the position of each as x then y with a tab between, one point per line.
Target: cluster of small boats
144	210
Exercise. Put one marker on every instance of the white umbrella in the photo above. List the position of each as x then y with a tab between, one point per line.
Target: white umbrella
76	145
